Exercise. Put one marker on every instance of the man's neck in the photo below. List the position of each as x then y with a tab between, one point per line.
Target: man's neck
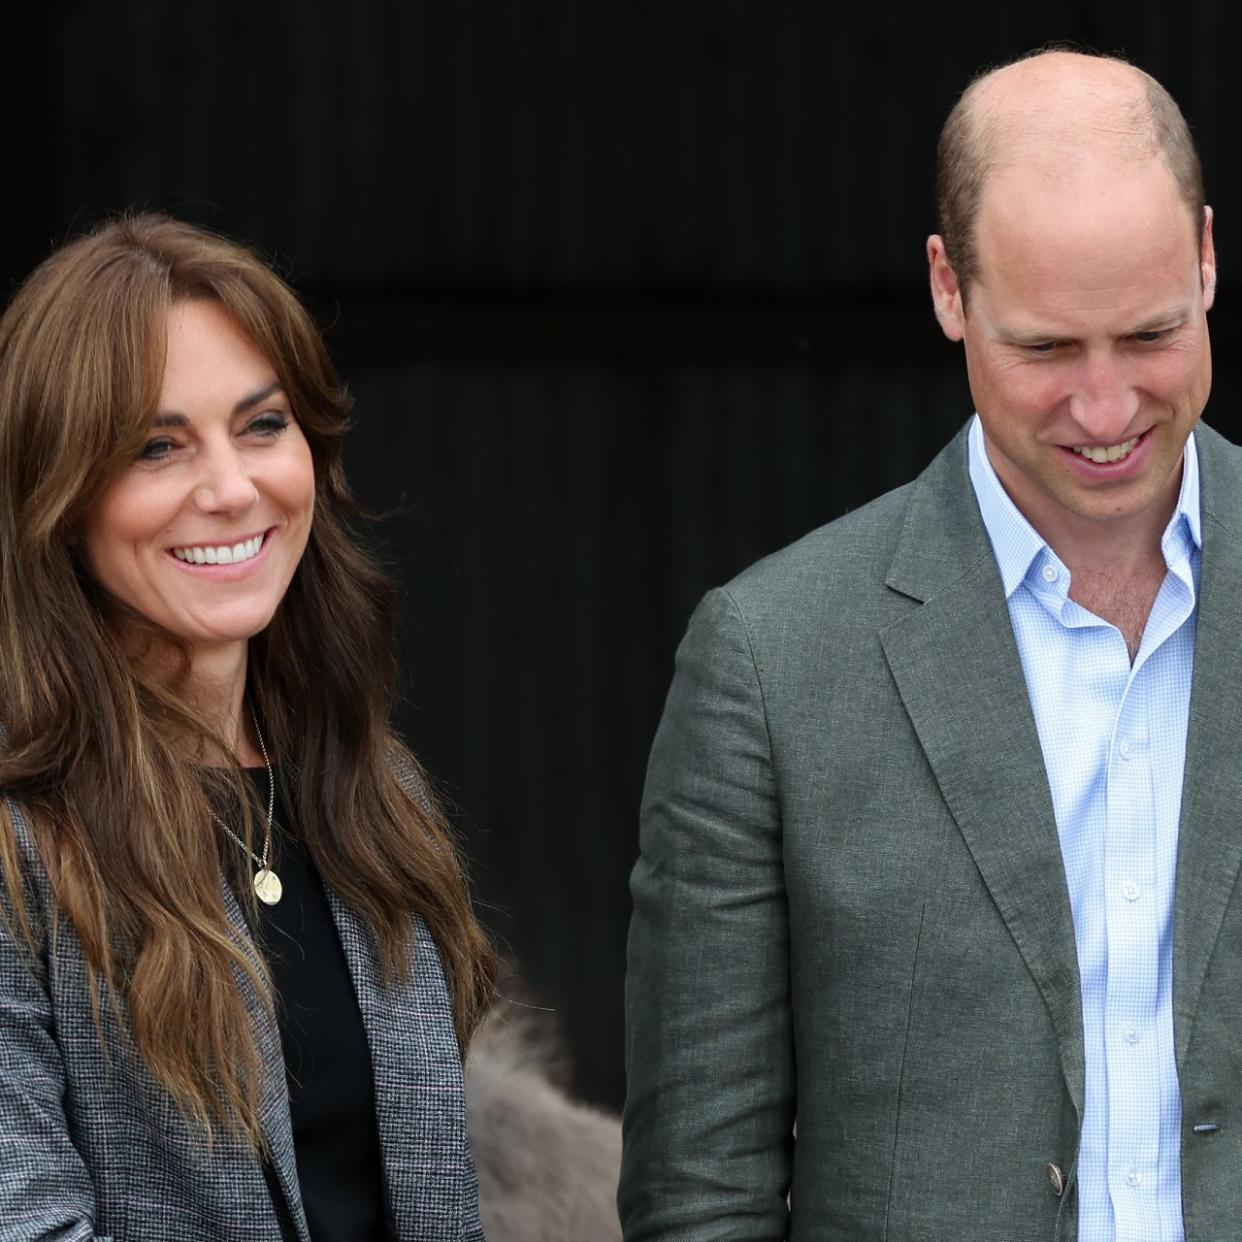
1124	601
1116	568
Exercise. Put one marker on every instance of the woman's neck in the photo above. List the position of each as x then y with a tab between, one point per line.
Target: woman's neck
217	688
214	687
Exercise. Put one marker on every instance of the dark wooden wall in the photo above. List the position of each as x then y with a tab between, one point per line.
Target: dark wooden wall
629	293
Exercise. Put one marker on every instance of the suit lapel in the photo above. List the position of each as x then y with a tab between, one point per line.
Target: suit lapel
957	670
1210	841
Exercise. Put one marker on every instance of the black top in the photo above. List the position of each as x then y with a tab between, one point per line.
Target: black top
327	1060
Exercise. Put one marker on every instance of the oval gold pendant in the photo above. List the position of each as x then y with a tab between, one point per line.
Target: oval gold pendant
267	887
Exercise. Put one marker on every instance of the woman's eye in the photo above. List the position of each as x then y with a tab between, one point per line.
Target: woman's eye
156	449
270	424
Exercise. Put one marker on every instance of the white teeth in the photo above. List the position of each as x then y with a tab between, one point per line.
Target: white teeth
221	554
1102	455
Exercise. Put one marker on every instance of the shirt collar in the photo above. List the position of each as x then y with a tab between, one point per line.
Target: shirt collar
1016	543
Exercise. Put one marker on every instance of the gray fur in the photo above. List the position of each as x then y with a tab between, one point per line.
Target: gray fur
548	1166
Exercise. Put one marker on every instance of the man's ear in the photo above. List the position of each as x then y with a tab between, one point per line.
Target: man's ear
1207	261
946	294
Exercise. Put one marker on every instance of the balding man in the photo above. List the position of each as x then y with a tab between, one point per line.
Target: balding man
943	823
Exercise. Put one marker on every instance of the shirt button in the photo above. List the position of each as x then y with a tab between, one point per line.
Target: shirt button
1132	1035
1135	1178
1125	748
1130	891
1050	573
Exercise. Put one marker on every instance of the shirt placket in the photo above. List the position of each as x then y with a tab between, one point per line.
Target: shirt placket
1132	898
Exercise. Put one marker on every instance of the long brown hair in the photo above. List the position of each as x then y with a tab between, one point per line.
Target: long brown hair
95	742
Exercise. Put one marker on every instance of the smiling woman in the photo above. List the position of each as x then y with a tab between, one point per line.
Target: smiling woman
238	962
203	535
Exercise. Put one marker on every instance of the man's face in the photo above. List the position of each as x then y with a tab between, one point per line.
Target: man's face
1086	341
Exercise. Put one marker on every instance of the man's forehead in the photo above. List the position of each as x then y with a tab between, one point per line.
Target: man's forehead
1075	200
1097	240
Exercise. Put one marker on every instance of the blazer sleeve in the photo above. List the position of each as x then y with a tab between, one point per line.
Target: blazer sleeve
472	1224
45	1189
708	1127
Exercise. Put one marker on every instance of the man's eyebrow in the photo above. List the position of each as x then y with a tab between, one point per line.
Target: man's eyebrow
1015	336
1170	318
1024	337
170	418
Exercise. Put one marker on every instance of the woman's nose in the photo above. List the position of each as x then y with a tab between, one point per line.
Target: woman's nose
225	485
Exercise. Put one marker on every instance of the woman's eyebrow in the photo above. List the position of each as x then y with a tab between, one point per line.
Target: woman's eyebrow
255	397
170	418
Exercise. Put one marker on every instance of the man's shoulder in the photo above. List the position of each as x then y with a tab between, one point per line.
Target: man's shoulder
1220	473
847	563
849	553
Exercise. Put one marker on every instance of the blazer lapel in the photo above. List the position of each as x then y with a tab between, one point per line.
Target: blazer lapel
957	670
275	1118
1210	841
420	1109
419	1089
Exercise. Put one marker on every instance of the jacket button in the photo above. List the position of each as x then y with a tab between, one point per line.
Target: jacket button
1056	1179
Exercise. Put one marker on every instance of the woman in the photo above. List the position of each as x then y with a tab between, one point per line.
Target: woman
238	963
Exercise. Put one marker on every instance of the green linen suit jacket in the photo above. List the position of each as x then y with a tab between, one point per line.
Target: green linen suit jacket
851	913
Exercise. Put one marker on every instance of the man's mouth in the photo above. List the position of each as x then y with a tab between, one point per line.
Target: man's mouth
1104	454
220	554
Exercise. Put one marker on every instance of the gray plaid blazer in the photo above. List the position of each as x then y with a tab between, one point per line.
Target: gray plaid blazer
92	1151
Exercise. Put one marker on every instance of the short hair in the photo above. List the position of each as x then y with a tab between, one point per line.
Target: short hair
965	156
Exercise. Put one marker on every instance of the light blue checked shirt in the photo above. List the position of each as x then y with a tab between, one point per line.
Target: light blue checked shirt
1113	736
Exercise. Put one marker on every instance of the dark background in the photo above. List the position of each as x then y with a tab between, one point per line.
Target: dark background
629	294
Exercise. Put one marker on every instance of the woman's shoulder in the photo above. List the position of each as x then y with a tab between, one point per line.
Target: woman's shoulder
410	776
18	825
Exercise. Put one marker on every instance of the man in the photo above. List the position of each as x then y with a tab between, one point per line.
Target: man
944	818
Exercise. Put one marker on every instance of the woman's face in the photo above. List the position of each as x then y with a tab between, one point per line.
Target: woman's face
202	533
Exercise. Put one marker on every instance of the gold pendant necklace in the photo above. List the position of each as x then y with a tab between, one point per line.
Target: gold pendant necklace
267	886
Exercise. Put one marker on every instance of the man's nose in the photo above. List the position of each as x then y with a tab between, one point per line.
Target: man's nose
1105	400
225	485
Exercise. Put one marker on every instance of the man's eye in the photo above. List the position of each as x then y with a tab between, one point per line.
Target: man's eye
1150	338
1042	347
